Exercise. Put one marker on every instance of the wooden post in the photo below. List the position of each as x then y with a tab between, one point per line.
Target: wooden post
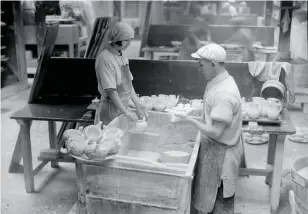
146	27
118	9
40	21
19	43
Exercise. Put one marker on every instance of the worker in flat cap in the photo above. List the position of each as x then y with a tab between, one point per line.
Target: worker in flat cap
115	79
221	148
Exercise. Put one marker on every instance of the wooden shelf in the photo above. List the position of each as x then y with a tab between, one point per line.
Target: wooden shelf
3	47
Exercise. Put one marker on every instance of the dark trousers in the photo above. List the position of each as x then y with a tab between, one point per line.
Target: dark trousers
222	205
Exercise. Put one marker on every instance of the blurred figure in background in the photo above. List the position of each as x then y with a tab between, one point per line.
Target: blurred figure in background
228	8
197	31
243	36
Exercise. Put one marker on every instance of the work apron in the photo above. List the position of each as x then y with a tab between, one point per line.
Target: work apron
208	174
106	106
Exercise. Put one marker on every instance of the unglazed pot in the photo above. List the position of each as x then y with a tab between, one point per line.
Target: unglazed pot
140	125
274	110
254	110
159	106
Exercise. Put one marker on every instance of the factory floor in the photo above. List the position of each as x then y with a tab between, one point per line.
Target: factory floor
59	195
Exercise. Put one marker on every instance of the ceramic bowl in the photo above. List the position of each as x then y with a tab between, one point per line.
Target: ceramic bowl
175	153
273	88
176	43
113	132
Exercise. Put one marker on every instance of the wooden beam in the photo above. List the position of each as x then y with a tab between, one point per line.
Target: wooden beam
49	41
146	27
19	43
40	22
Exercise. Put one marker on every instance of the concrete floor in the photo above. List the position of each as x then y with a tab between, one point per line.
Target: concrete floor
59	195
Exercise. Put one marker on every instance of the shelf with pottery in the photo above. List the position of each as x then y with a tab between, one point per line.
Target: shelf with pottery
260	111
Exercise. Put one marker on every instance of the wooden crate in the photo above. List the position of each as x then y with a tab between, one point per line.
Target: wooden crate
132	185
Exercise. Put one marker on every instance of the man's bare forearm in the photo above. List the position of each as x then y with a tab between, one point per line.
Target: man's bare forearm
205	128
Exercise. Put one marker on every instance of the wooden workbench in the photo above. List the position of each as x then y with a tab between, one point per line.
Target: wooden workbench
275	151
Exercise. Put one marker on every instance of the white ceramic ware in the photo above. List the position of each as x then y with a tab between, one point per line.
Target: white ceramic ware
140	125
273	111
254	110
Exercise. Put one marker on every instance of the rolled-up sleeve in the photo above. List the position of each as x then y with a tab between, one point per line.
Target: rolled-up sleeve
223	109
106	74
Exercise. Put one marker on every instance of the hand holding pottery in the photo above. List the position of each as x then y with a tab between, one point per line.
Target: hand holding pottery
140	125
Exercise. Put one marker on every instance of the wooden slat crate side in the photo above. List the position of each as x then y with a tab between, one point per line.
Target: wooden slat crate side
98	206
129	185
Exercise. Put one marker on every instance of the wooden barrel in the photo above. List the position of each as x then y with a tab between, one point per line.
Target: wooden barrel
299	174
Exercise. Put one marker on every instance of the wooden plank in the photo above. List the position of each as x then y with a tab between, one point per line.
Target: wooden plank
81	189
48	45
19	43
277	171
40	22
146	27
194	156
27	155
125	207
40	167
254	172
62	158
16	157
52	131
123	184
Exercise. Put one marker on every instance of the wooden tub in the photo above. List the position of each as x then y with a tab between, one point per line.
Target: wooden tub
135	181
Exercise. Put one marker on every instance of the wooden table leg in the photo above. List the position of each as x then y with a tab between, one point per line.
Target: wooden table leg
81	189
52	131
71	50
27	154
77	49
270	157
277	170
17	156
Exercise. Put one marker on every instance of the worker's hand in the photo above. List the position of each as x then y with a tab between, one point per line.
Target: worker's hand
181	115
194	112
141	111
131	116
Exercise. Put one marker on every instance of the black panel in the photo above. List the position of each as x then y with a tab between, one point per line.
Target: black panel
72	81
68	81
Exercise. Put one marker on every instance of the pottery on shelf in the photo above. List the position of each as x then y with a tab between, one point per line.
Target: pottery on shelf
254	110
149	105
159	106
274	110
264	108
